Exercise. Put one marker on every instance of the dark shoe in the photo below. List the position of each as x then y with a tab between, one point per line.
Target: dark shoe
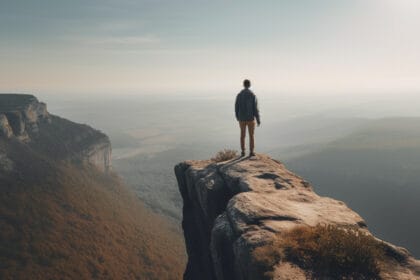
252	154
243	154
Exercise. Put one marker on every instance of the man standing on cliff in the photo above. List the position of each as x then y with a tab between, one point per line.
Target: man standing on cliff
246	110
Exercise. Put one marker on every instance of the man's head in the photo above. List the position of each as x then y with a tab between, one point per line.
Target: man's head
247	83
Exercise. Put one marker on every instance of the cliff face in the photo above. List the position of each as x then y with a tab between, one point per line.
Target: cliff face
24	118
99	155
232	208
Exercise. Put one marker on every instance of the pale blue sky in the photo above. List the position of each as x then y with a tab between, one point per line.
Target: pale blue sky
145	46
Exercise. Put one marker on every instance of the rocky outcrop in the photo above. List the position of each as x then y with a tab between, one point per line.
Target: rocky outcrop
5	128
24	118
100	155
97	153
22	113
231	208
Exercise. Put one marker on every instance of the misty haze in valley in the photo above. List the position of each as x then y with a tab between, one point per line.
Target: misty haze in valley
363	150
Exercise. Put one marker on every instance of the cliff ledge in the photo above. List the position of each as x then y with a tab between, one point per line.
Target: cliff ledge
233	208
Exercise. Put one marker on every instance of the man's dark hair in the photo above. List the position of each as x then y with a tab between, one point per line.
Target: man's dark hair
247	83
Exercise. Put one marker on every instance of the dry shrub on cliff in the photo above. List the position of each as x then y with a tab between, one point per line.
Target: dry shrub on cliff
265	257
225	155
327	251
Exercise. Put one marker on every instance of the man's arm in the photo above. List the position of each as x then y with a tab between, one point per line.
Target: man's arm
237	107
257	111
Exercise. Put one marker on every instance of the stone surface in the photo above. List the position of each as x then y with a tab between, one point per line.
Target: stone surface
23	113
233	207
100	155
97	152
5	128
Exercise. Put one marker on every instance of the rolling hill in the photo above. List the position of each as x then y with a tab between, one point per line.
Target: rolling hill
376	170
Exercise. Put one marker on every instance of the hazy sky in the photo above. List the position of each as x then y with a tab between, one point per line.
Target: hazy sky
87	46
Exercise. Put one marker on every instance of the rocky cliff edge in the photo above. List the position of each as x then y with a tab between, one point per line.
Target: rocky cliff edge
233	208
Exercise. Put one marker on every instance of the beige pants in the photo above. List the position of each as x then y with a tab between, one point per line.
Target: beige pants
251	128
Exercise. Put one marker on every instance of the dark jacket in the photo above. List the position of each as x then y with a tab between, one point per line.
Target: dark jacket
246	106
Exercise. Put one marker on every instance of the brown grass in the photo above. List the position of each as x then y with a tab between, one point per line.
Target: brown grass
61	221
326	251
225	155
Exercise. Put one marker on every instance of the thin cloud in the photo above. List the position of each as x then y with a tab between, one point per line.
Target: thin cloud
126	41
119	40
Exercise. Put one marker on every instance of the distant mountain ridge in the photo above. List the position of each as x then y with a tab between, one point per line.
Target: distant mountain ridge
64	214
376	169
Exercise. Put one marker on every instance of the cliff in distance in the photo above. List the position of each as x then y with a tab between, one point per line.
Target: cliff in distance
24	118
251	218
62	216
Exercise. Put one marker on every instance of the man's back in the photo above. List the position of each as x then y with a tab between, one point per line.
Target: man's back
246	106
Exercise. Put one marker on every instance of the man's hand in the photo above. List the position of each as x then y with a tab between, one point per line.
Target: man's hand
258	123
